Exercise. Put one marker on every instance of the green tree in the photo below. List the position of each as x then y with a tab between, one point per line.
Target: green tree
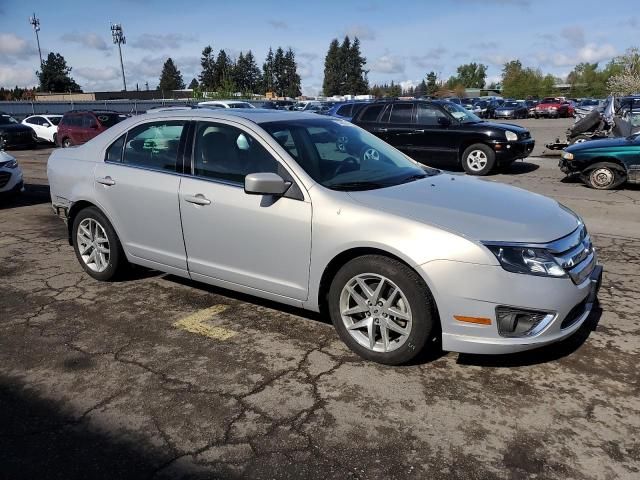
170	78
268	73
194	85
627	81
208	74
55	75
432	83
356	82
279	72
332	70
291	80
470	75
223	70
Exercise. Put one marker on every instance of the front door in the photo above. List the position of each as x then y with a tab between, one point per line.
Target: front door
434	143
257	241
137	187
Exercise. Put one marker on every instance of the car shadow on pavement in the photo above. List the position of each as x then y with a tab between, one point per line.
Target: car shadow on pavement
40	438
548	353
34	194
520	168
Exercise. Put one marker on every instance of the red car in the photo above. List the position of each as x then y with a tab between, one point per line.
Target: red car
554	107
78	127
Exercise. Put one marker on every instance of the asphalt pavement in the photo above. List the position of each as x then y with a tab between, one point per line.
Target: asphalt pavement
158	377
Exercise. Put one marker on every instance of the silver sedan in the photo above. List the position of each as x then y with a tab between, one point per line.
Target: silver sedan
315	212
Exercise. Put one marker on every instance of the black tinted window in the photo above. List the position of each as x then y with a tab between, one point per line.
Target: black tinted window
224	152
114	152
428	114
344	111
371	113
154	145
108	119
401	113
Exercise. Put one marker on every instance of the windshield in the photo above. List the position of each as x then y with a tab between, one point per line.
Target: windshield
341	156
240	105
460	113
482	104
7	119
510	104
549	100
586	103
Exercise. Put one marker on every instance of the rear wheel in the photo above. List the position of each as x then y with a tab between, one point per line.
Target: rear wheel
66	142
55	138
478	159
381	309
97	246
604	176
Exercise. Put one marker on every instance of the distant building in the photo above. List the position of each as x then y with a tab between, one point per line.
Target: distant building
122	95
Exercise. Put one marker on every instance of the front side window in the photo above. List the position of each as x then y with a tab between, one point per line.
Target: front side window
341	156
154	145
460	113
428	114
223	152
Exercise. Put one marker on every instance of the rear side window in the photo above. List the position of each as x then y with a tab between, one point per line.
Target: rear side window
154	145
401	113
114	152
344	111
88	121
108	119
371	113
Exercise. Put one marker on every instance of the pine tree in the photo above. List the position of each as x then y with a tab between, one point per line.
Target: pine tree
55	75
291	77
207	75
332	67
170	78
355	75
223	70
252	73
240	73
432	83
279	74
344	55
268	77
193	84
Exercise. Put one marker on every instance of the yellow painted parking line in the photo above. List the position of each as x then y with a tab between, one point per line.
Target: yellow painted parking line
196	323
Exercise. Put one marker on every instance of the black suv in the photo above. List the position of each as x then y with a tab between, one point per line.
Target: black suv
443	134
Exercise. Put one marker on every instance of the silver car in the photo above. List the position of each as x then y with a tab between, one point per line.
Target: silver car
11	182
315	212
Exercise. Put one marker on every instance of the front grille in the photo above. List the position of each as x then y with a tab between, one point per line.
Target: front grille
4	178
575	254
575	313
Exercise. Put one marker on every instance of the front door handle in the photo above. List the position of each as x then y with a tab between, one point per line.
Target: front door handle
382	130
418	131
108	181
197	199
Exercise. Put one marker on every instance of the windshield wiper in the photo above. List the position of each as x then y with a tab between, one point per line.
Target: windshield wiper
357	186
412	178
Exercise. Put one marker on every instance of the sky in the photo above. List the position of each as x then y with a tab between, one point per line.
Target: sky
402	41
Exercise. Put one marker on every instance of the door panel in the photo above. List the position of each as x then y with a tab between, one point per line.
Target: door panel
434	144
257	241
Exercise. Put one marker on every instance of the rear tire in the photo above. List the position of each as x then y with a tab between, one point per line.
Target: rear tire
55	139
97	246
478	159
381	309
66	142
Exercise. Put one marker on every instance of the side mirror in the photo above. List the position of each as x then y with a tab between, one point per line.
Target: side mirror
444	121
265	184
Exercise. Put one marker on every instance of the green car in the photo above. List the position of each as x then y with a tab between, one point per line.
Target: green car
604	164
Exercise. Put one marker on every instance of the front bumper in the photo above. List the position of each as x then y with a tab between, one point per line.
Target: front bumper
547	113
471	290
508	152
569	167
11	180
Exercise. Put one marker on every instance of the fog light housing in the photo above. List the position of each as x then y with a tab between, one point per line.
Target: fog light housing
516	322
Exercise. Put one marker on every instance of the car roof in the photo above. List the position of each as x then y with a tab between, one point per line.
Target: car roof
221	102
255	115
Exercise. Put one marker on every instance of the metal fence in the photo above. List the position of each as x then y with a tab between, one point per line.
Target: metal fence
22	109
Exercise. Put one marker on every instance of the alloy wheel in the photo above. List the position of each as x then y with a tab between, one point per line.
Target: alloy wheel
477	160
375	312
371	154
93	245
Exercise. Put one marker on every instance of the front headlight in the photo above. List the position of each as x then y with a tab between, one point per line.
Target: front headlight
567	155
9	164
533	261
511	136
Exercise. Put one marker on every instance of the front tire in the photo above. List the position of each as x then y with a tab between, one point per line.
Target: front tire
478	159
97	246
381	309
604	176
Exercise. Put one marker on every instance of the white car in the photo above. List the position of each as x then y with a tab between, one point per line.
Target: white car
45	126
225	104
10	174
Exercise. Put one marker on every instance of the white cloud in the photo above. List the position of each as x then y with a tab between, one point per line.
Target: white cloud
363	32
12	76
155	41
574	35
90	40
405	84
13	47
93	74
278	24
591	53
388	63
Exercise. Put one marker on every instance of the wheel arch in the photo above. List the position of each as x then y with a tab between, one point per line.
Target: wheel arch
76	208
467	143
345	256
606	160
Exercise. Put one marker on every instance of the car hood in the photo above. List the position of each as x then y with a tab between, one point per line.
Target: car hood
547	105
499	126
604	143
475	209
14	127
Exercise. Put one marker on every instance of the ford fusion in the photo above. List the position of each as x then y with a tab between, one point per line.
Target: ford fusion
318	213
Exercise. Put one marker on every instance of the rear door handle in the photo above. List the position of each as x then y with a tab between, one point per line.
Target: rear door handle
197	199
108	181
382	130
418	131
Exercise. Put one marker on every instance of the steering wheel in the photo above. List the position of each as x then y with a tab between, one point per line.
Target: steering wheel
349	164
372	155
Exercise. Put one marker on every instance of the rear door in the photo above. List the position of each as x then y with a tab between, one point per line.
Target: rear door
399	123
137	187
368	119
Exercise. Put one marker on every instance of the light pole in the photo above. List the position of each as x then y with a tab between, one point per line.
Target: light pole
118	38
35	23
